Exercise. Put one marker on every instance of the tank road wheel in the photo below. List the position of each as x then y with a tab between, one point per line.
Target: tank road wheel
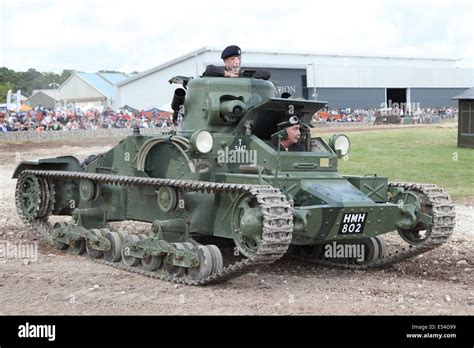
77	247
217	260
204	269
114	254
247	225
172	270
381	245
371	251
151	262
127	259
93	253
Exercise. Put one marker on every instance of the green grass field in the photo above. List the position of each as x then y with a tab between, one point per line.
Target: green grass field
423	155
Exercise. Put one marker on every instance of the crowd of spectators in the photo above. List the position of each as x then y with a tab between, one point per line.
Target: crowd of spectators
369	115
40	120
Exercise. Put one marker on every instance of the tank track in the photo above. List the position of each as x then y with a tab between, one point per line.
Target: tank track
275	207
443	227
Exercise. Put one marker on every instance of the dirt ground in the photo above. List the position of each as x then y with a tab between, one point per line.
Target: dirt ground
438	282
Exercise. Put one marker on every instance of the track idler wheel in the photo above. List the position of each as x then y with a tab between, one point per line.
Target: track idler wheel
415	236
35	196
420	233
247	225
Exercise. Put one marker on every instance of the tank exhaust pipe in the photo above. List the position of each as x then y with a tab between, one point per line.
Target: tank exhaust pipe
177	102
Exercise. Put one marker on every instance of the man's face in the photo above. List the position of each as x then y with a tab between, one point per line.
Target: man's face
294	134
232	63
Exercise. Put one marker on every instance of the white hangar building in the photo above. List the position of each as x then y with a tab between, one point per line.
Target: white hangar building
343	81
96	89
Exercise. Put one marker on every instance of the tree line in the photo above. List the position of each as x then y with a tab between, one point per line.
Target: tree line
27	81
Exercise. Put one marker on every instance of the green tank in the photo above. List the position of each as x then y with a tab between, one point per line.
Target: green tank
221	201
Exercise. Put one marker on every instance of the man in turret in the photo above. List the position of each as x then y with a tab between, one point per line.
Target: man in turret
232	57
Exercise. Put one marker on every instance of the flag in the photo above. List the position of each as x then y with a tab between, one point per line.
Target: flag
18	94
9	99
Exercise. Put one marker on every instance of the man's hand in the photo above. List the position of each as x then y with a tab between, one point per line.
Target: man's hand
230	74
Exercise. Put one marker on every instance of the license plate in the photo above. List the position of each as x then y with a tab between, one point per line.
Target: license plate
352	223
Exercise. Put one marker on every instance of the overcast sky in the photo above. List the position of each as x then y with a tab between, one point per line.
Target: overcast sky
129	35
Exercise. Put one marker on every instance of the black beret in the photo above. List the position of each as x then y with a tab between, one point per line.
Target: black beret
288	121
230	51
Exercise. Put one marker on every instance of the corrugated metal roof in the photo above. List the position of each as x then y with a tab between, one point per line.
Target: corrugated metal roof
114	77
280	52
134	77
100	84
467	94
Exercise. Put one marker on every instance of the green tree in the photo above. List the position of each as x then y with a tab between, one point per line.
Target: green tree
4	88
31	75
7	75
31	79
65	75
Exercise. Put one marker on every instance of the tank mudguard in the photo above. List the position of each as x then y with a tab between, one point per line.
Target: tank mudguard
65	163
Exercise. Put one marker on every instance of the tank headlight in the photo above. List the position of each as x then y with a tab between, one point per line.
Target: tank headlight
340	142
202	141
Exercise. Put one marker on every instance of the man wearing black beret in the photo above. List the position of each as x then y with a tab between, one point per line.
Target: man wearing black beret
232	59
288	134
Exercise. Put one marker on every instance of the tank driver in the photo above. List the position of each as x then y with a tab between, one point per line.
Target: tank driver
288	134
